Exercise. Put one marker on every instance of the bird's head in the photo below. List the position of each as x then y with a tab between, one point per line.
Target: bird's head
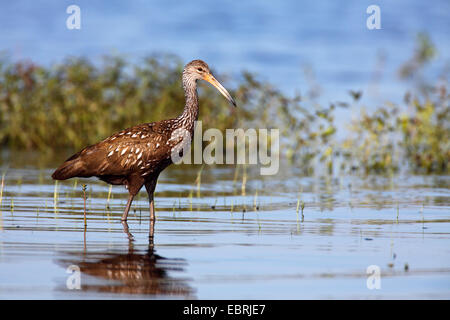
199	70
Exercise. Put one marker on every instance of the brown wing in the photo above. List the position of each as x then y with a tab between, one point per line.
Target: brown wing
133	149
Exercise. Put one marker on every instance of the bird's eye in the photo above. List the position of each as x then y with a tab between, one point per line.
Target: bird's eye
200	69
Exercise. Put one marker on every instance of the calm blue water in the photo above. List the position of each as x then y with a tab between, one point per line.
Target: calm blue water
276	39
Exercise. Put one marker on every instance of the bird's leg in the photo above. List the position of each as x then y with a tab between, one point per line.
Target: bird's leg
150	186
152	208
127	208
127	231
152	219
133	184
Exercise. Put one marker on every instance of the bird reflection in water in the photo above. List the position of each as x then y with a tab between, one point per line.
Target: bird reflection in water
132	272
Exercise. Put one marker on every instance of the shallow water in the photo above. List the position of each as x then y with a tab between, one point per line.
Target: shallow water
212	241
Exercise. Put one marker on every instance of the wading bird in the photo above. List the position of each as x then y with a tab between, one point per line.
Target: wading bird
135	157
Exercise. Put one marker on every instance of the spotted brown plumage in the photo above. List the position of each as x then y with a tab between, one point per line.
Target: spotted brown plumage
135	157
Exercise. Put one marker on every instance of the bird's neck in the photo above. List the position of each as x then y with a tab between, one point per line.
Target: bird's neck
190	113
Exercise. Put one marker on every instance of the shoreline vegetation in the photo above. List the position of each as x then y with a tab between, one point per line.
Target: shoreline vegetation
77	103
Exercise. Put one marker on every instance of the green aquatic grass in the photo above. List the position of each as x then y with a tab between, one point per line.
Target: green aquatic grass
198	180
76	102
255	201
244	180
55	197
109	197
2	185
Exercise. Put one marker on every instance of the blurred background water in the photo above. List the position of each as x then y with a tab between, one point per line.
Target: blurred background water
276	39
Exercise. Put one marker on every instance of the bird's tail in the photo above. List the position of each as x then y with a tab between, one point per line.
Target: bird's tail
67	170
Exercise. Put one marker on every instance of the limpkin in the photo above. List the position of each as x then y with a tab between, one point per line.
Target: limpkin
135	157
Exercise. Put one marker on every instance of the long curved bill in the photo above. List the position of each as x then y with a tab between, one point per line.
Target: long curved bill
219	87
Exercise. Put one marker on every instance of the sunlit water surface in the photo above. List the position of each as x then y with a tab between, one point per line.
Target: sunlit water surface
218	240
